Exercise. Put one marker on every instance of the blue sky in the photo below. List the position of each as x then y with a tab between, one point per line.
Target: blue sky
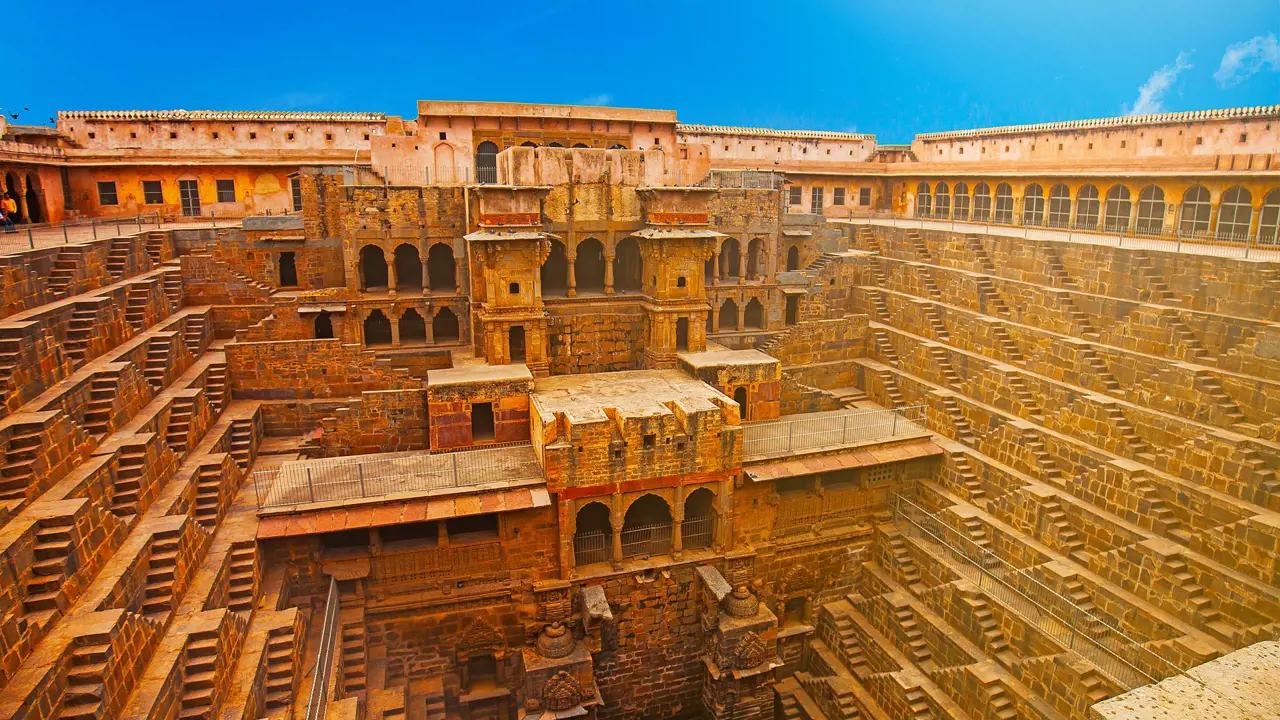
893	68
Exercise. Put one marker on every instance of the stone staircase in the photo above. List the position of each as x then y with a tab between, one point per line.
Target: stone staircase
156	367
215	387
1049	470
101	405
137	297
178	431
907	572
52	564
941	359
199	679
173	290
1135	446
85	680
1008	348
1018	389
880	308
1151	286
1186	339
974	243
891	390
917	648
208	495
884	347
193	334
241	579
989	298
19	470
242	443
1069	540
80	329
354	667
1084	327
10	356
934	318
968	479
280	669
130	468
955	413
155	246
1098	370
919	247
68	260
158	590
118	257
1197	600
991	637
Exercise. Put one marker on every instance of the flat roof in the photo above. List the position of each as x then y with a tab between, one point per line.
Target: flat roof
633	393
719	358
473	108
479	373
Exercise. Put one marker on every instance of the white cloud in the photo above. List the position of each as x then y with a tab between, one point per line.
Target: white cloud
1151	94
598	99
1243	59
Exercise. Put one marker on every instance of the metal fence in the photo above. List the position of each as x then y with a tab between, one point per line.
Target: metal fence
322	680
1124	660
357	476
698	532
1179	236
43	235
591	547
646	540
801	433
746	179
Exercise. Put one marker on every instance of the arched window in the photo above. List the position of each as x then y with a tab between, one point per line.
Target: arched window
1269	222
793	258
373	268
408	269
555	145
960	210
1004	203
924	202
323	325
1195	211
1033	205
753	316
755	258
981	202
730	257
1088	208
698	528
413	329
487	162
529	143
1234	214
646	528
555	271
444	326
617	146
1151	210
1059	206
628	267
729	316
942	201
593	535
588	266
442	271
1115	217
581	145
377	329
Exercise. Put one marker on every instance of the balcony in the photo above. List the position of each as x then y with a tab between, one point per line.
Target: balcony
363	477
826	431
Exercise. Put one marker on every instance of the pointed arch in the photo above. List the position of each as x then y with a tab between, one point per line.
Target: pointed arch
377	328
413	328
373	268
588	266
555	271
728	315
444	326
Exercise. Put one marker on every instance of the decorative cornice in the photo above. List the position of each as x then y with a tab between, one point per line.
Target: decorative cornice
219	115
1111	122
685	129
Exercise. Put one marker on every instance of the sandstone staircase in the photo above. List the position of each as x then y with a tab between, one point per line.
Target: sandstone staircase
98	411
242	443
19	469
130	467
354	668
157	364
63	272
10	355
136	299
118	257
53	554
208	495
240	580
80	329
158	591
85	680
199	681
279	681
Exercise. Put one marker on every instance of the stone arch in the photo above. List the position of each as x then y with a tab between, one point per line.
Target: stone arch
373	268
442	271
699	524
646	527
35	209
740	397
487	162
798	578
755	258
555	271
628	268
408	268
588	265
593	534
377	328
413	328
444	326
1151	210
443	156
1195	211
793	258
728	315
323	325
753	315
730	258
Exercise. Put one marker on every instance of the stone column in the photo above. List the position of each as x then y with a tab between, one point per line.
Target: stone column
391	273
737	316
616	520
571	522
426	279
431	331
457	276
608	274
715	267
572	276
742	263
395	328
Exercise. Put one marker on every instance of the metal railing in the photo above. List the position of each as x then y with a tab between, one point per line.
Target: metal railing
42	235
366	476
591	547
322	680
1180	235
1122	659
806	433
697	532
646	540
745	179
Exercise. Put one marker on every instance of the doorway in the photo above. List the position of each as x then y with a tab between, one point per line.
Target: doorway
515	339
481	421
288	270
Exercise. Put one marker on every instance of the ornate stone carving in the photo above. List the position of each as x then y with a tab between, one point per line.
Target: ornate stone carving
562	691
741	603
749	652
555	641
480	636
797	578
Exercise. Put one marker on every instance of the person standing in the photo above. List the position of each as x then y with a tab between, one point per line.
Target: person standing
10	207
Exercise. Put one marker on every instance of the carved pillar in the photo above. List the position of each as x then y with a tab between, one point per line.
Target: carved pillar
427	317
742	263
572	276
395	328
677	526
715	267
615	520
426	279
457	276
392	280
608	274
737	315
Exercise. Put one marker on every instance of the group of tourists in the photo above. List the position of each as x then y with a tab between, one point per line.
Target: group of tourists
8	212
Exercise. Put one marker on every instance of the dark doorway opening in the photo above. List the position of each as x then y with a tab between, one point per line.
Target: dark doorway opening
408	269
324	325
682	335
793	309
288	270
377	329
555	271
740	397
515	339
373	268
442	272
588	266
444	326
793	258
628	267
35	213
481	421
413	329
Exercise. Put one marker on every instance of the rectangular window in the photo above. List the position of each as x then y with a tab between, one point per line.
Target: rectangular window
864	196
295	184
837	196
151	194
815	201
794	198
226	190
107	193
